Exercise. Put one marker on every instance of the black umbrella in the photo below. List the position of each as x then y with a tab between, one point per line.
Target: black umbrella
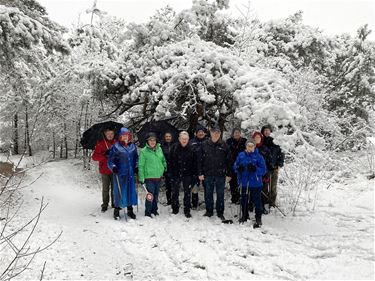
95	133
159	128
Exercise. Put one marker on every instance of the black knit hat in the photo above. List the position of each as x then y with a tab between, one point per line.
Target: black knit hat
151	136
266	127
200	128
215	128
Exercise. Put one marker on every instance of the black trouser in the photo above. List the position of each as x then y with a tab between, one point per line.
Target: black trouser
195	196
265	195
187	182
168	188
234	189
250	197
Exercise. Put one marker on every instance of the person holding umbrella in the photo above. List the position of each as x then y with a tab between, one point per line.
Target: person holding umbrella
122	161
250	168
100	154
151	167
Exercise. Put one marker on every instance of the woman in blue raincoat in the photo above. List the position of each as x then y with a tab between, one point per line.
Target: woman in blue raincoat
122	160
250	168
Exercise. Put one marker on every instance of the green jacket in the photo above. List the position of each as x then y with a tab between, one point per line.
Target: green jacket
151	163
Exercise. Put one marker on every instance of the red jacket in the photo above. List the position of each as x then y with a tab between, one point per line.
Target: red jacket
99	155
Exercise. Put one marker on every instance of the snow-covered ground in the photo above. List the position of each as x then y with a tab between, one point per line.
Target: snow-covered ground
335	242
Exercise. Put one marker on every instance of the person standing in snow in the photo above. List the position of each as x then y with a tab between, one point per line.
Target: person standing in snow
214	168
250	168
183	170
276	161
122	161
236	144
166	147
265	152
100	154
151	167
196	143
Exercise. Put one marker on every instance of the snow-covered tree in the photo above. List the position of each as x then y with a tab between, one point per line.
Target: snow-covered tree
27	39
351	81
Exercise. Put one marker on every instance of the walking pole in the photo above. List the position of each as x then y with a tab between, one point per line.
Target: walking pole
136	191
277	207
240	192
119	191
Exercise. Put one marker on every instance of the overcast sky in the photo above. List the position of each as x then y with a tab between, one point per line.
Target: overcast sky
331	16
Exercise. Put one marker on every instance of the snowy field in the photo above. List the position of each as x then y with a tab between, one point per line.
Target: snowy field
336	242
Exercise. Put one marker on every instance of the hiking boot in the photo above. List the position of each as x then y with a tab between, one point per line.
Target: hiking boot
148	215
116	213
221	217
155	213
104	209
131	215
265	211
175	212
257	223
187	214
208	214
242	220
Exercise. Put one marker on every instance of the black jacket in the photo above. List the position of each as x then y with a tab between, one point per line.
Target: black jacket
235	148
183	161
266	153
166	147
214	159
276	158
197	143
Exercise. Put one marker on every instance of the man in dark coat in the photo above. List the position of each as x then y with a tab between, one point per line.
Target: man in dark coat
276	161
236	144
183	170
214	168
100	154
196	143
166	146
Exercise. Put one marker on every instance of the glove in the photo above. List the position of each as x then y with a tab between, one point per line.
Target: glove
240	168
106	153
115	170
251	168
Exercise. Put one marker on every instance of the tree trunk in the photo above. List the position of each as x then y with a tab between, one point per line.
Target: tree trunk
61	149
86	115
15	134
65	142
27	132
54	144
78	131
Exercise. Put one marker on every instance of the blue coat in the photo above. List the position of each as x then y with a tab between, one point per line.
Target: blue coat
125	159
253	179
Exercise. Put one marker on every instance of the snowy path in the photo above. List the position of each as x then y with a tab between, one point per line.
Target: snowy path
337	242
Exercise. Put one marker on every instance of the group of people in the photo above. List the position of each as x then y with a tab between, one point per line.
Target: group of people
206	161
